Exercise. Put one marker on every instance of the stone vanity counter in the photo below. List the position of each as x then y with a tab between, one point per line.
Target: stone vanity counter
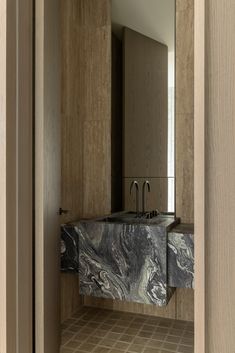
129	262
181	256
124	257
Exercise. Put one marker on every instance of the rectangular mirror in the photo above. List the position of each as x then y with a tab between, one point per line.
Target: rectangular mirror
143	116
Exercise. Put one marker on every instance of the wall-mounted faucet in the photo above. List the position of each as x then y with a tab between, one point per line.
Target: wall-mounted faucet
146	183
136	184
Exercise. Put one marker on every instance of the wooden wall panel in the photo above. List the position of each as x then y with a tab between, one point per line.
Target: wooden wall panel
185	304
47	176
184	125
199	176
116	126
184	109
70	298
169	311
220	176
3	175
86	108
9	180
86	117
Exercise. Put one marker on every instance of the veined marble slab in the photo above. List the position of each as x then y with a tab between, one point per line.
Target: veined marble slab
124	261
181	256
69	248
129	262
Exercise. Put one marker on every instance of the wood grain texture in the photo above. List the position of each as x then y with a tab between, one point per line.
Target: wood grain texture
184	110
97	168
25	177
116	125
11	192
199	177
70	298
3	174
184	134
169	311
145	92
47	177
86	108
219	176
184	304
16	176
85	118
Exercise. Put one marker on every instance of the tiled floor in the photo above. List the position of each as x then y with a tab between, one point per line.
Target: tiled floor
103	331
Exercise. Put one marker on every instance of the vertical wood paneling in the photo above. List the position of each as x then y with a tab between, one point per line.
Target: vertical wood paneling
16	176
25	176
199	176
86	108
184	125
70	298
85	118
169	311
184	109
47	177
116	125
3	264
185	304
220	176
11	177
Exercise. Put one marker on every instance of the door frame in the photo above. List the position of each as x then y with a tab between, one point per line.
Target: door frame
199	174
47	176
16	177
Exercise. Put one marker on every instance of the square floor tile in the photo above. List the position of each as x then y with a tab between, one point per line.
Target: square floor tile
137	348
87	347
126	338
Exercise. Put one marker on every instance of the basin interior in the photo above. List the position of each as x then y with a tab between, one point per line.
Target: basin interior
132	217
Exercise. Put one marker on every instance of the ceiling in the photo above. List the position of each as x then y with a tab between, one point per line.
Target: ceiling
153	18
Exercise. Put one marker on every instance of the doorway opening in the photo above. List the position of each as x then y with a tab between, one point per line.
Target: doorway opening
123	129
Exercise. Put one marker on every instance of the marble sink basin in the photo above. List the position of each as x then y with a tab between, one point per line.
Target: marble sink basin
124	257
131	217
